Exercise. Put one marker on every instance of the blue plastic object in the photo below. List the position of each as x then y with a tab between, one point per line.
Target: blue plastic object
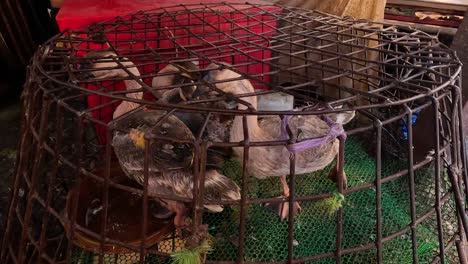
404	128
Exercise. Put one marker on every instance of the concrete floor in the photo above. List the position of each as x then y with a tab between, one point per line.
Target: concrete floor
9	134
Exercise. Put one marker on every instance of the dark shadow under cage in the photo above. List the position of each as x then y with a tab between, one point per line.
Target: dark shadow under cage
216	132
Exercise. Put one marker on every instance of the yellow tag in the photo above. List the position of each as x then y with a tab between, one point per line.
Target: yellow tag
138	138
130	258
171	244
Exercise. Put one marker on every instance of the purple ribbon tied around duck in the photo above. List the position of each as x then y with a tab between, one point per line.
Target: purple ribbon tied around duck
336	130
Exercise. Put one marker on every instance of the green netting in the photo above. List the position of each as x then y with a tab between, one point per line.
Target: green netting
315	229
80	256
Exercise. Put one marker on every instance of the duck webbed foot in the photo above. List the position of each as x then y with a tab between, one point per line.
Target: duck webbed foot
282	208
333	175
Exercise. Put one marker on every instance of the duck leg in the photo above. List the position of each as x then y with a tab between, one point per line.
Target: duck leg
179	220
180	213
333	175
286	193
282	209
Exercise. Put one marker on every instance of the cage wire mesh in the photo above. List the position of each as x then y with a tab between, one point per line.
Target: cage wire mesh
174	85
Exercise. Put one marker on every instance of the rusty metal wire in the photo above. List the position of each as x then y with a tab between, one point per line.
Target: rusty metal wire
331	65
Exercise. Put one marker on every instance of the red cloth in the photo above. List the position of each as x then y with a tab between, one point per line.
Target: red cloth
78	13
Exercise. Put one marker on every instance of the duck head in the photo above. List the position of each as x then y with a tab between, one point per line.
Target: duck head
183	74
342	117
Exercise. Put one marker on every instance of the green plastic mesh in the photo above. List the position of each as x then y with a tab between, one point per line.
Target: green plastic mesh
266	236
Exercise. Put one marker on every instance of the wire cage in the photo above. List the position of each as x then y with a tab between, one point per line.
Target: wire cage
216	131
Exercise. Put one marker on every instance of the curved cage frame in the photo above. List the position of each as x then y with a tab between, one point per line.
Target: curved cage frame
386	74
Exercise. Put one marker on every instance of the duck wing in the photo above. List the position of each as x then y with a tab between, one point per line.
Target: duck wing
217	187
129	143
215	131
270	161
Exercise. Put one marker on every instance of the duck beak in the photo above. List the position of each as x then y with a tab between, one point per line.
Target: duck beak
186	93
230	105
206	75
84	74
202	89
226	104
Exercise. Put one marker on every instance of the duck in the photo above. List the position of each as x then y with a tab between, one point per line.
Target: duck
272	161
182	73
188	75
170	163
